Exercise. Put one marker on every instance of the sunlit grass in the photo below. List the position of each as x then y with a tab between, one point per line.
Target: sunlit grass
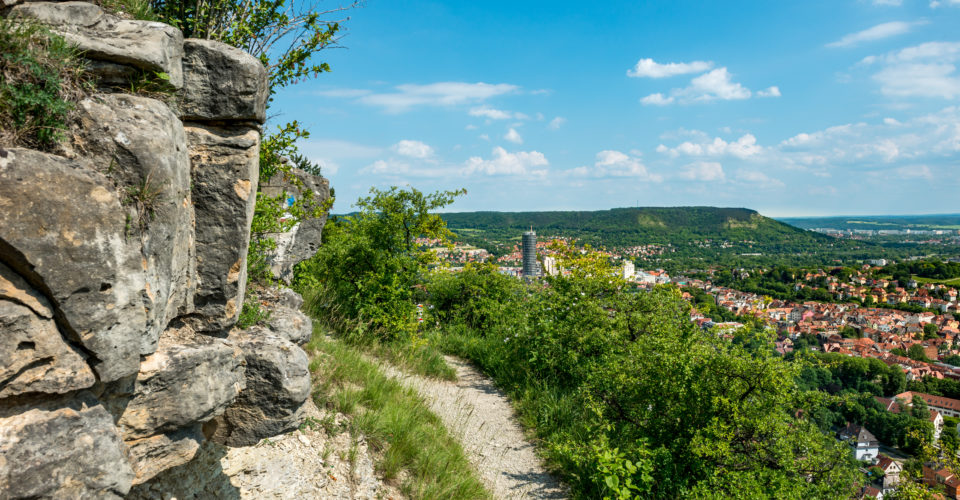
417	450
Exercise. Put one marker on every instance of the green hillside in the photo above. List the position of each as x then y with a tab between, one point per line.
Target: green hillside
695	235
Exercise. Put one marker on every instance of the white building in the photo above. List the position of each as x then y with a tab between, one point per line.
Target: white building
629	270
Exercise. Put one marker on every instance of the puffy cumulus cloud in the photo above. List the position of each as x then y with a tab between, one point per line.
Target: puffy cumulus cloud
611	163
744	147
878	32
412	149
657	99
772	91
648	68
714	85
496	114
513	136
703	171
557	122
939	3
926	70
521	163
409	96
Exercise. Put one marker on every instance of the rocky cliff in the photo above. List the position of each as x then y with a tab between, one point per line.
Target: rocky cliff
122	270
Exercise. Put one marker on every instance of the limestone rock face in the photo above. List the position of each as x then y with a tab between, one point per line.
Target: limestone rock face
123	269
69	450
278	384
75	253
36	357
141	146
189	380
150	46
224	160
222	83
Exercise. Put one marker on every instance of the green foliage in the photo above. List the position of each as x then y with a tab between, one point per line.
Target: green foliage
369	265
272	215
41	78
252	313
630	398
916	352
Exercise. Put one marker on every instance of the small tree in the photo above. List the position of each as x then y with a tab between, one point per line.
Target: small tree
370	263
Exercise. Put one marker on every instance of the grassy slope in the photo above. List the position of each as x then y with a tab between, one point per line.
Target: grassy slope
417	449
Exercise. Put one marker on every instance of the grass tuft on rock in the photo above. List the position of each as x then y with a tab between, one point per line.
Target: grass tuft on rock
41	79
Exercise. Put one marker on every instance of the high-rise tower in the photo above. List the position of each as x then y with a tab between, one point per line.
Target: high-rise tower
530	266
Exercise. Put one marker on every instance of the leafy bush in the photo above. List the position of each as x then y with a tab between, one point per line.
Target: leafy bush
369	265
41	77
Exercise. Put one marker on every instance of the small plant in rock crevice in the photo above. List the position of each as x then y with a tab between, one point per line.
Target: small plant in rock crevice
145	196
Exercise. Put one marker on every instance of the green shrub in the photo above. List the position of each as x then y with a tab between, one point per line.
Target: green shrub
630	398
41	77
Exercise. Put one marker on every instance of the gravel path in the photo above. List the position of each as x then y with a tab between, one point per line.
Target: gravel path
481	418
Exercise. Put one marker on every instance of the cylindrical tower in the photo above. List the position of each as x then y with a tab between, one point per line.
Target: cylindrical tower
530	267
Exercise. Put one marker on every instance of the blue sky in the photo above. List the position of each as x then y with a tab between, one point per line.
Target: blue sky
790	108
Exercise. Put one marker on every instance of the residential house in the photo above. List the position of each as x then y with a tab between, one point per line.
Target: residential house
865	445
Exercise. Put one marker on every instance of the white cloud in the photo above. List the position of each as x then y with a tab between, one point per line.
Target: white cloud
757	177
744	147
557	122
715	85
773	91
413	149
657	99
703	171
485	137
648	68
409	96
925	70
617	164
496	114
513	136
878	32
506	163
937	3
894	3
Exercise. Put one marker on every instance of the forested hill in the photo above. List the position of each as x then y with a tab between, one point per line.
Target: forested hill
636	226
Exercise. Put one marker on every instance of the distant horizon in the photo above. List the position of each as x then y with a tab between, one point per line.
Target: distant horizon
777	217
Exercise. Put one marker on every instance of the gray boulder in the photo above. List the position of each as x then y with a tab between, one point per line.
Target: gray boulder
278	384
225	163
289	298
146	45
290	324
222	83
62	230
62	451
190	379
